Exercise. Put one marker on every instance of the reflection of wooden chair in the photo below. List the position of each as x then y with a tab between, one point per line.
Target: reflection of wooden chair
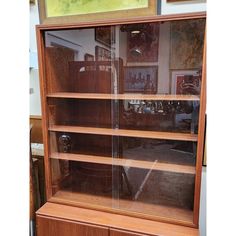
98	79
36	131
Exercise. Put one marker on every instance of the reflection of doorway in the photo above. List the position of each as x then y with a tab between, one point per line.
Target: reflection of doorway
59	42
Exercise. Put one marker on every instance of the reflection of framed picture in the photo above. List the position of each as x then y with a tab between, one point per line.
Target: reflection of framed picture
105	35
140	79
88	57
102	54
185	82
72	11
143	46
187	39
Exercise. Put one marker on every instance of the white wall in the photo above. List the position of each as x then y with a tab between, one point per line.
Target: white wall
202	217
83	43
34	20
35	106
182	7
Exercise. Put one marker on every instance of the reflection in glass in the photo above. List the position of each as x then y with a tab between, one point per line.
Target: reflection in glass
107	89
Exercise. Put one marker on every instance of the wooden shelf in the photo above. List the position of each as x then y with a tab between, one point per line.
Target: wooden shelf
125	162
126	133
125	96
137	208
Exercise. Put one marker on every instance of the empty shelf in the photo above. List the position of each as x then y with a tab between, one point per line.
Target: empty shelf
169	97
126	133
125	162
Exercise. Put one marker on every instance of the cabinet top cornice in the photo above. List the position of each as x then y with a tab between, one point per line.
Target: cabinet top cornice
133	20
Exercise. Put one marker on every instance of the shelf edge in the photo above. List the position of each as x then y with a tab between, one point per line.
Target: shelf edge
125	133
176	168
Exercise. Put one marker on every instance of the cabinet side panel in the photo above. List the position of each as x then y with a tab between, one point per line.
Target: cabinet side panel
201	130
43	91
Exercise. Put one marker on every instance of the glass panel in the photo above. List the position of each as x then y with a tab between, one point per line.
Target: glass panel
80	112
162	84
90	144
156	193
140	190
162	58
118	97
82	183
148	58
81	167
171	116
80	60
157	150
159	115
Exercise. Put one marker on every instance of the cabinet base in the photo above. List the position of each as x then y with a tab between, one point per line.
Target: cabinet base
61	220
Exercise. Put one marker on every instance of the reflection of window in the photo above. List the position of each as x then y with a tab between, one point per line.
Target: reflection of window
59	42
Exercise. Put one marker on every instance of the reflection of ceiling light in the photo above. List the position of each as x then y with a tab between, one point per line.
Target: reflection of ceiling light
135	32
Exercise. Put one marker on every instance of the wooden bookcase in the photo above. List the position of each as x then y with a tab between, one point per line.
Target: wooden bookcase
120	138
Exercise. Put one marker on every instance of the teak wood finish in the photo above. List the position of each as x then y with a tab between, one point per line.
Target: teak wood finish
36	134
178	216
125	162
115	224
200	148
124	96
43	89
126	133
55	227
115	232
44	94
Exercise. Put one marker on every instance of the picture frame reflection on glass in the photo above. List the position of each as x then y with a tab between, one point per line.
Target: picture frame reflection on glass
140	79
186	82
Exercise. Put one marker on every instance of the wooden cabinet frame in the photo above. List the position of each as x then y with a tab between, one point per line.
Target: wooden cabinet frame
200	137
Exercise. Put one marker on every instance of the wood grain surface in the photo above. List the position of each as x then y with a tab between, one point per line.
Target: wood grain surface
113	221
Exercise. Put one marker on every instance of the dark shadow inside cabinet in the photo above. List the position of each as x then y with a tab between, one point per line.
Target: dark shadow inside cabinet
126	188
86	169
166	116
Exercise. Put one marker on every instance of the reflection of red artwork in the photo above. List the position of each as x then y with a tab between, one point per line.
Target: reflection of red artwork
188	84
143	46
